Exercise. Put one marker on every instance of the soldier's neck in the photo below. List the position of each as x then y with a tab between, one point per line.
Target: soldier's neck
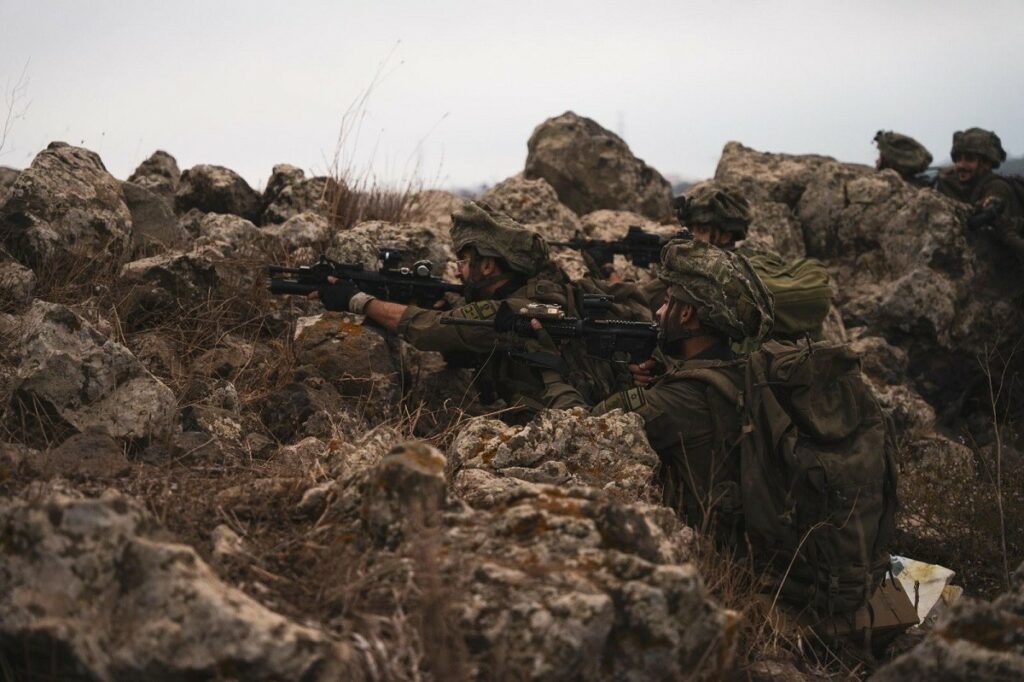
696	345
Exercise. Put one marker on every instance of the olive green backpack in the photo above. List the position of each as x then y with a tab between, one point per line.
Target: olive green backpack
817	472
801	290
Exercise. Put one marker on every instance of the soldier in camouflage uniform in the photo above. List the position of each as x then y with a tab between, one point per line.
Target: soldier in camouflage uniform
976	154
714	299
905	155
499	260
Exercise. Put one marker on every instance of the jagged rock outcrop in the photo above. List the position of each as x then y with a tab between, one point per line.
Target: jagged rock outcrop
70	377
17	284
548	581
591	168
307	405
300	196
974	640
417	241
7	178
159	174
302	234
89	591
534	204
356	359
234	236
434	208
904	266
170	283
65	204
215	189
153	221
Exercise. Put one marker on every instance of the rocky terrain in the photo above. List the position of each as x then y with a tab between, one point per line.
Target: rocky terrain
200	481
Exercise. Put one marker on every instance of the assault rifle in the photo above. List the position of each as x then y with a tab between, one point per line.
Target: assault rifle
391	282
614	340
641	248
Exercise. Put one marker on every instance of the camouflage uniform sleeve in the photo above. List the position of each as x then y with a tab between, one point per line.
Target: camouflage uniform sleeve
423	329
672	410
1008	226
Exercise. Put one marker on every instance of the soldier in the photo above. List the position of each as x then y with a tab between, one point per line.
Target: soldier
721	215
976	154
713	299
499	260
905	155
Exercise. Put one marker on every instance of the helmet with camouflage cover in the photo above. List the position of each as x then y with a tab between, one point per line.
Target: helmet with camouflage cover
984	143
494	234
729	296
710	203
902	153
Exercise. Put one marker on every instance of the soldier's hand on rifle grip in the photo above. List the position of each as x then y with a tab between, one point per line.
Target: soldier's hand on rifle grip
336	295
643	372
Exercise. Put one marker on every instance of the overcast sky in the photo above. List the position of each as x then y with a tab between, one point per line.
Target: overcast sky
460	85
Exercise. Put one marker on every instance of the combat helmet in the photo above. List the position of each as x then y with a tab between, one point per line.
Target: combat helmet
713	204
729	296
984	143
494	234
902	153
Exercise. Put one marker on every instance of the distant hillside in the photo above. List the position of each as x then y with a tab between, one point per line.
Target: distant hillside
1013	166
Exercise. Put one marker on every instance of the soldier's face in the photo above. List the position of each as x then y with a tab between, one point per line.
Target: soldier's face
709	233
970	166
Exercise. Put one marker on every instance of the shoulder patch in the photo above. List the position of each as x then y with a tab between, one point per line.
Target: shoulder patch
481	310
630	400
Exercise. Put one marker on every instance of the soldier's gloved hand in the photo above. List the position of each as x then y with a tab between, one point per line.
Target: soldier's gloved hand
336	297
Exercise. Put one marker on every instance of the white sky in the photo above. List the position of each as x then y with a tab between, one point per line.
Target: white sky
250	84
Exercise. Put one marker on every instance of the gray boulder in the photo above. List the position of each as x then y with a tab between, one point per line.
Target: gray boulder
88	592
158	174
543	581
84	381
591	168
301	196
65	204
168	284
17	285
902	261
215	189
154	224
416	241
534	204
302	234
7	178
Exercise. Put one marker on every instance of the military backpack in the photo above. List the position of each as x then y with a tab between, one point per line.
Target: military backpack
817	472
801	289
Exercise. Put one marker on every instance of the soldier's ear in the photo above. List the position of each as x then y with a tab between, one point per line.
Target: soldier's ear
489	266
687	313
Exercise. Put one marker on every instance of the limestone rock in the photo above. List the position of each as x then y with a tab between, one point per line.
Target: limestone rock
974	640
282	175
903	263
288	408
434	208
7	178
773	227
159	174
17	285
235	237
548	582
563	448
167	285
591	168
65	203
215	189
310	195
92	454
534	204
87	381
304	231
84	583
417	241
356	359
154	224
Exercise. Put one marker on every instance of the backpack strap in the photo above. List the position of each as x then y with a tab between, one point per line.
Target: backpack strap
722	383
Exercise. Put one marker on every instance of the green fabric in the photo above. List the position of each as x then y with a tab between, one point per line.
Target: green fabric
722	285
716	205
494	234
817	471
984	143
801	290
902	153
